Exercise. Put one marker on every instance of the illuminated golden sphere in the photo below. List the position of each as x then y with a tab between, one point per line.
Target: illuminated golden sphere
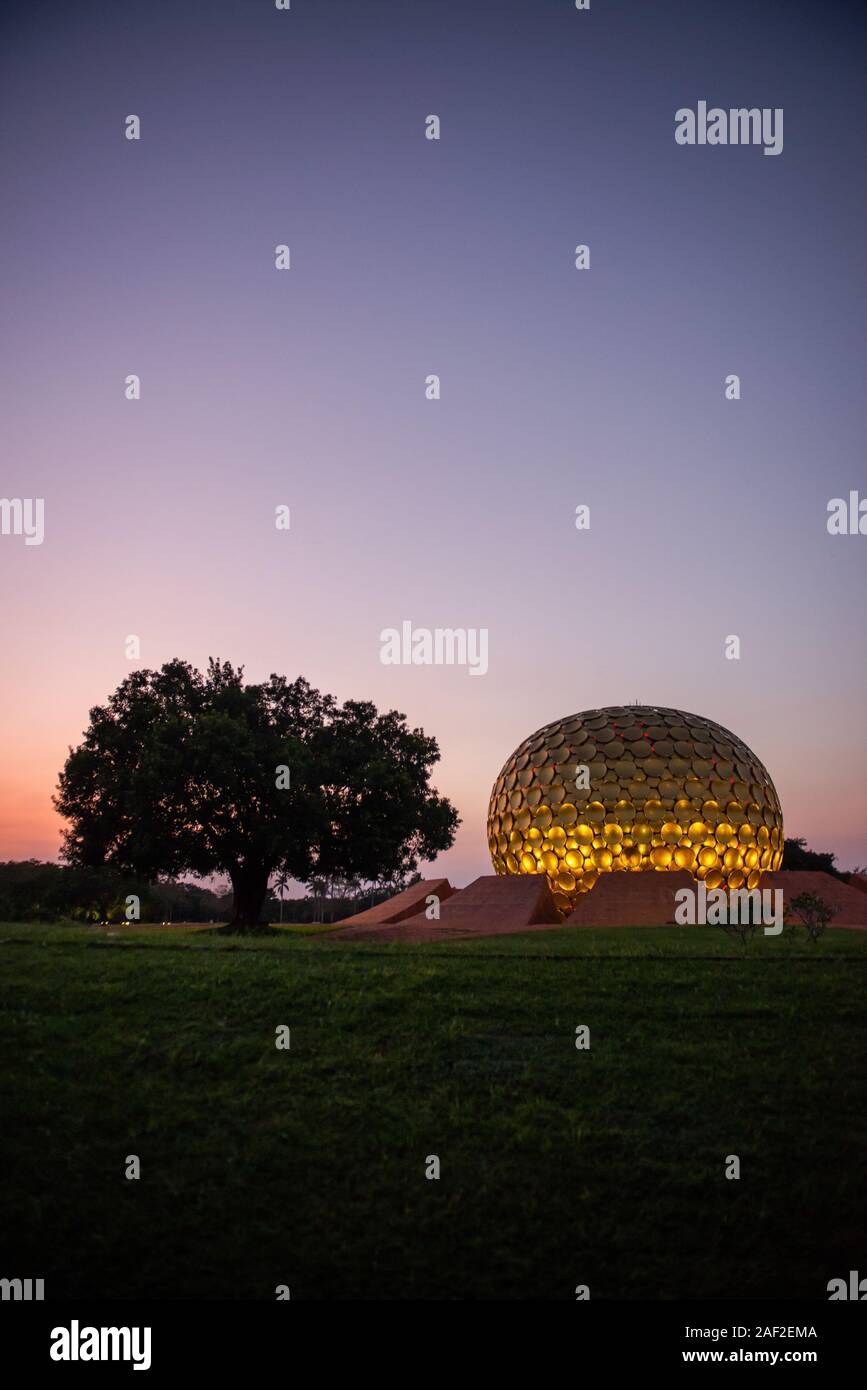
634	787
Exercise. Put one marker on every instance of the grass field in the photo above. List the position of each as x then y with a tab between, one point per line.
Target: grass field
306	1167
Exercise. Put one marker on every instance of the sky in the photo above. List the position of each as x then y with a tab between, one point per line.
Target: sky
602	387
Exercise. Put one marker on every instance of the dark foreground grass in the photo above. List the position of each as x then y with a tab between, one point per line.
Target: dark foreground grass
263	1167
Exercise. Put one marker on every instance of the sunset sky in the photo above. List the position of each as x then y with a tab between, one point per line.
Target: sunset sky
410	257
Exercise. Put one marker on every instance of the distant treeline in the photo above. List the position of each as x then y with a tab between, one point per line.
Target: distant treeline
329	908
32	891
796	855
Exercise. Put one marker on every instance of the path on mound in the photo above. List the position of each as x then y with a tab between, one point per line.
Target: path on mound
489	906
405	904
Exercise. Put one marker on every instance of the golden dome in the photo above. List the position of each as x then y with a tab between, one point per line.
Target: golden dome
634	787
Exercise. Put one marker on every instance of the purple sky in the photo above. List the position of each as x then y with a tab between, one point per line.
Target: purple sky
411	257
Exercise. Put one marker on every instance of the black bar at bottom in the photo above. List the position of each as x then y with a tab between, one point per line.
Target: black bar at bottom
224	1338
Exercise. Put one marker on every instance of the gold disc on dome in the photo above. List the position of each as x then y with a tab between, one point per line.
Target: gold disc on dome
685	858
668	790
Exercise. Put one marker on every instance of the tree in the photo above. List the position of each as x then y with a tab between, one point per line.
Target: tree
281	883
796	855
743	926
182	772
814	912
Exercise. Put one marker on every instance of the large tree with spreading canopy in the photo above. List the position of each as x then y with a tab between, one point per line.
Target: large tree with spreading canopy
190	772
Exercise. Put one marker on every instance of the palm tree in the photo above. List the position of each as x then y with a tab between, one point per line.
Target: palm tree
281	883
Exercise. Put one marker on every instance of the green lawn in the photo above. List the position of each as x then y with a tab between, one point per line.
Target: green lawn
263	1167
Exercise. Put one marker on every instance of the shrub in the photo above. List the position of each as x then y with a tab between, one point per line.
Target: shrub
813	913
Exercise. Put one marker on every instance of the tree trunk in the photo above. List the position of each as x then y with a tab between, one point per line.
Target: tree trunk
249	886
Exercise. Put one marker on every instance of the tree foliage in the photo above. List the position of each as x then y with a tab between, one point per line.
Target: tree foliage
796	855
813	912
179	773
31	891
